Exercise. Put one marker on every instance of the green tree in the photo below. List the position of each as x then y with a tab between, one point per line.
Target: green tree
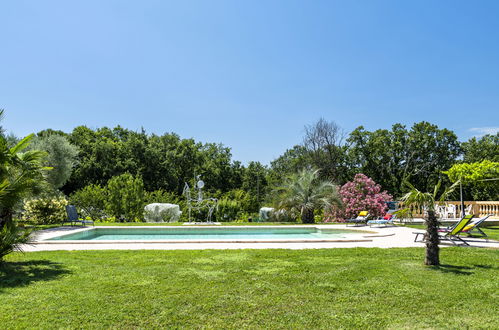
125	197
304	193
381	155
322	147
254	182
293	160
390	157
61	156
484	148
325	149
164	162
480	178
99	158
92	200
428	201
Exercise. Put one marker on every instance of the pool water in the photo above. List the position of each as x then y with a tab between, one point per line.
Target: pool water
200	234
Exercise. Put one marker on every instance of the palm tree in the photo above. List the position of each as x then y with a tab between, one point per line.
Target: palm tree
20	174
427	201
303	193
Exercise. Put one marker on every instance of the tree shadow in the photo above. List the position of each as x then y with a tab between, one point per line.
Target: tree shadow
459	270
486	266
23	273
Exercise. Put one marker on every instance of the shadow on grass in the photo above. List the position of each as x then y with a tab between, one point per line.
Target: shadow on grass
486	266
459	270
463	270
14	274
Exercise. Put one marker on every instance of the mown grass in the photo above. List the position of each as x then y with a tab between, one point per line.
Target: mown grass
327	288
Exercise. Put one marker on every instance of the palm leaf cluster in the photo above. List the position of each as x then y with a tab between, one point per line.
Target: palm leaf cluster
21	173
303	193
428	202
11	238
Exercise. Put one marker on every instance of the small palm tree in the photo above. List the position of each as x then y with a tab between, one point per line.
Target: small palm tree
303	193
427	201
21	173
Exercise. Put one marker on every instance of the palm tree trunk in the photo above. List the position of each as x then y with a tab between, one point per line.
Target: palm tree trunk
432	250
307	215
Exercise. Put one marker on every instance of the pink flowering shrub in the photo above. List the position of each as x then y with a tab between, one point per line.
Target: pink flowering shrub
361	194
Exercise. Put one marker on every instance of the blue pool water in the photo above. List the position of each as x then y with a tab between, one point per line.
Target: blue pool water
200	234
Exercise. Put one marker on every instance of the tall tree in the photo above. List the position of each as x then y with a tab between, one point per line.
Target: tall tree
381	155
254	182
61	156
293	160
390	157
484	148
323	142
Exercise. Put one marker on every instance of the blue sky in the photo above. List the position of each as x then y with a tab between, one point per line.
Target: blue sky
249	74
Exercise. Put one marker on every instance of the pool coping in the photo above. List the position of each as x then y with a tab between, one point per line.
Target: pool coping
44	236
377	237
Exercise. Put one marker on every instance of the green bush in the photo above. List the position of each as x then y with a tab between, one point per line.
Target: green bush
282	216
45	210
247	202
91	200
125	198
199	211
161	196
228	210
11	236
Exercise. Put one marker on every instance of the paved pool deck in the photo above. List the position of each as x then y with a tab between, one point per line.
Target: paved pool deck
377	237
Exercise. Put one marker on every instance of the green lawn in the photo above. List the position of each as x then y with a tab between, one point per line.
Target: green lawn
327	288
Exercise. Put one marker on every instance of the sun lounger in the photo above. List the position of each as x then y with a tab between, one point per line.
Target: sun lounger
361	218
73	217
453	233
386	220
473	227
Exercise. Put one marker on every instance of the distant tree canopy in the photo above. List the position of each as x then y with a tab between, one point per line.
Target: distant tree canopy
390	157
165	162
419	154
484	148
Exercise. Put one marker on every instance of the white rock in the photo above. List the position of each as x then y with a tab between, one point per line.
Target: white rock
266	212
162	212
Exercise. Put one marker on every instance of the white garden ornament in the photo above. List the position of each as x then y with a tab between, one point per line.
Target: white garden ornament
162	212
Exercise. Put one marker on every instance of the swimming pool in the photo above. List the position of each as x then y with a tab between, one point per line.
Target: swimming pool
218	234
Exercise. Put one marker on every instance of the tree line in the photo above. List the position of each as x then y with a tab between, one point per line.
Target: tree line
419	154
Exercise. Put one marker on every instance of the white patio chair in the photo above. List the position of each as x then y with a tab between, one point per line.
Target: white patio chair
451	211
441	211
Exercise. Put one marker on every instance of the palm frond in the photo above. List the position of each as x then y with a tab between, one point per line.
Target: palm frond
23	144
